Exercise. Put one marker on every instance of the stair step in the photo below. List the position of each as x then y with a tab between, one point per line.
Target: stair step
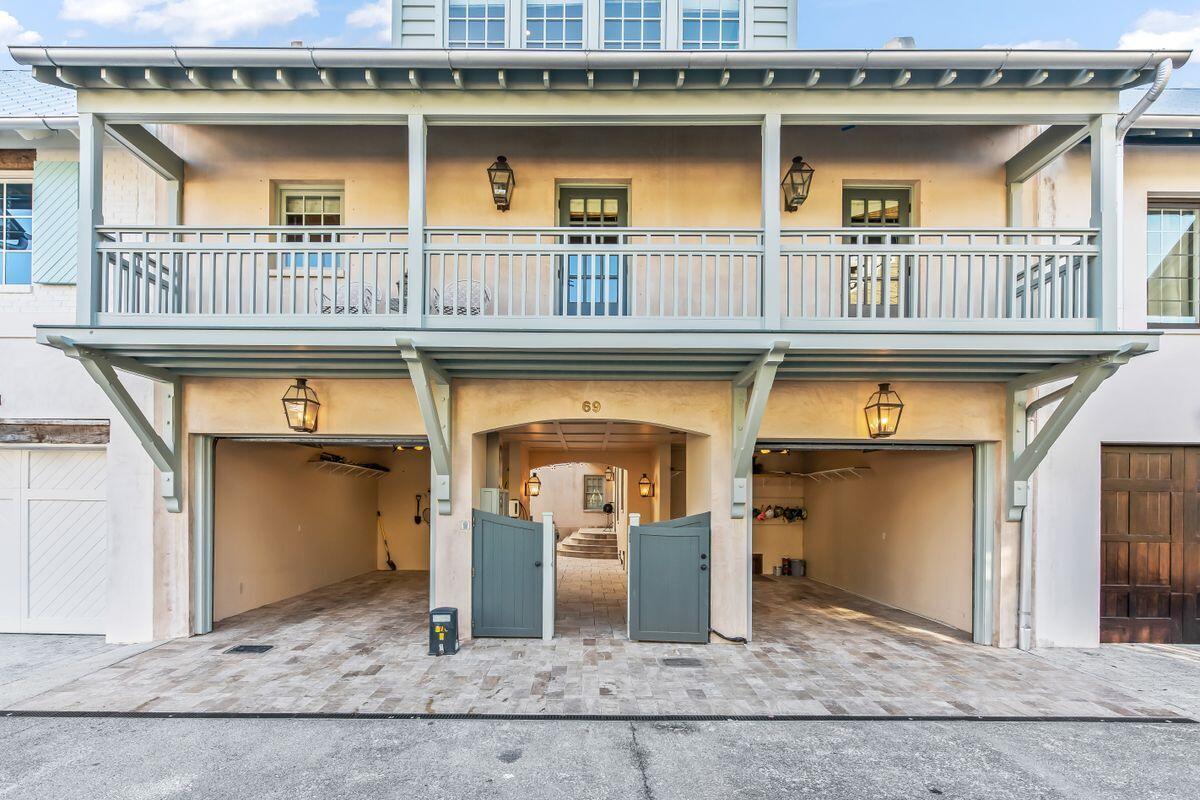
594	537
587	548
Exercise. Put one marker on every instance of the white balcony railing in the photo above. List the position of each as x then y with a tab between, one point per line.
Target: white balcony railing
937	274
234	272
567	273
598	277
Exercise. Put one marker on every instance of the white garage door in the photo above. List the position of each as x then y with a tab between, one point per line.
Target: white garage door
53	540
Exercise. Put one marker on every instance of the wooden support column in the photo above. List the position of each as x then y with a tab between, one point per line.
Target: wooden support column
1104	282
416	219
772	284
91	215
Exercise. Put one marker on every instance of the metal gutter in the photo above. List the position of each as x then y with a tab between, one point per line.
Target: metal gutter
312	57
1161	78
60	123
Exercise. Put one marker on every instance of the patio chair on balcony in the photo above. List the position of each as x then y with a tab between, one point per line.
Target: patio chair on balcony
461	299
345	298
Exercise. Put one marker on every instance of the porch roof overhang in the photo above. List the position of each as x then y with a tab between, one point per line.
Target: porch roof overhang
590	355
299	68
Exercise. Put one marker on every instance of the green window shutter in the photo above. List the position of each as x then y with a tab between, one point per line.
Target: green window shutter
55	213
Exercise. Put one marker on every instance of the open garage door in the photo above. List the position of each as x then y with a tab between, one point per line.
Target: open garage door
888	530
317	524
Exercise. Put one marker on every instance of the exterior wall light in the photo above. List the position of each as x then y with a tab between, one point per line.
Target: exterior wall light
608	474
796	183
300	407
533	486
502	180
646	486
883	412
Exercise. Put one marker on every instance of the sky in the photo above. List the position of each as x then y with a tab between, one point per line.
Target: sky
1149	24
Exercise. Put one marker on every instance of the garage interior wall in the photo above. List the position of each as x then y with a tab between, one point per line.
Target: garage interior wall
398	490
901	535
282	528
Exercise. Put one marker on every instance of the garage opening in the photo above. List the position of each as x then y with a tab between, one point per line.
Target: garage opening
864	542
320	525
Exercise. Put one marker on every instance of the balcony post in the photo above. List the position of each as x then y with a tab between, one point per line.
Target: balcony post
415	285
772	285
91	214
1104	281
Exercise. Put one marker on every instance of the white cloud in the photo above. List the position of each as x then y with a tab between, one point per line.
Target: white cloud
190	21
1163	30
1038	44
13	32
375	14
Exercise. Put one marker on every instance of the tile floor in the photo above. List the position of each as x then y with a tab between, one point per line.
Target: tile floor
359	646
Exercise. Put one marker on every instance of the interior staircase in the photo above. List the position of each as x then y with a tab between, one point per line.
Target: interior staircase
590	543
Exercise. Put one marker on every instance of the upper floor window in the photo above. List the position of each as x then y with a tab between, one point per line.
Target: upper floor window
711	24
554	26
16	248
476	23
1173	262
633	24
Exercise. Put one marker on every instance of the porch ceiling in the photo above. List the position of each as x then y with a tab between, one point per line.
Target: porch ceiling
591	355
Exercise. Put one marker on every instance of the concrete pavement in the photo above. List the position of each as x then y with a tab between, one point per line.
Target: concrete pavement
156	759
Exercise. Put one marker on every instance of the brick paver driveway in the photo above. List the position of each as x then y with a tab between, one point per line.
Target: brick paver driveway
360	646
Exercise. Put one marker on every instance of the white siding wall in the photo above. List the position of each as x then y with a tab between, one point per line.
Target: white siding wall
37	382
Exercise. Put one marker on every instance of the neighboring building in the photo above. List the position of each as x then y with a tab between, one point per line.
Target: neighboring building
65	471
517	258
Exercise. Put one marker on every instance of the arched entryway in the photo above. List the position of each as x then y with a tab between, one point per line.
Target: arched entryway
598	480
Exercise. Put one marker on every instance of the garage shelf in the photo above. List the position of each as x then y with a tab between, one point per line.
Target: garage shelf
822	475
349	469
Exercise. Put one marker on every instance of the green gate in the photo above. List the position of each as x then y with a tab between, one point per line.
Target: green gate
669	568
506	576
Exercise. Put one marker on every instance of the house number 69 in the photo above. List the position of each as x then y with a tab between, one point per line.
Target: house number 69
591	406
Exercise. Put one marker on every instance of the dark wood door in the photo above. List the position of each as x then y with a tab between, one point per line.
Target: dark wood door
1149	544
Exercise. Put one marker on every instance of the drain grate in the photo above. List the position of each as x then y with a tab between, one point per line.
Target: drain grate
249	648
681	662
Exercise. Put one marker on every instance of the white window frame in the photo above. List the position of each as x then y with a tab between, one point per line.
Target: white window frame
743	24
18	176
665	8
1173	202
588	36
511	38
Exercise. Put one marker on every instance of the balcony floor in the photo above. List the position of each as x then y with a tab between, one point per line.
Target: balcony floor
592	353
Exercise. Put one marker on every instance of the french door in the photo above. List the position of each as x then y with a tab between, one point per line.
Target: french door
592	283
874	280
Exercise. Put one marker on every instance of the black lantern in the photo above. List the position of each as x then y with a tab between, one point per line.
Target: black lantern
883	412
502	180
533	486
300	407
608	474
796	183
646	486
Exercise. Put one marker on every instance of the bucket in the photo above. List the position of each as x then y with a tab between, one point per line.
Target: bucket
776	571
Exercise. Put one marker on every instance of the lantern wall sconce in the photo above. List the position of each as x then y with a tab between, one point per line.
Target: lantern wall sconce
646	486
883	412
533	486
608	474
502	181
300	407
796	183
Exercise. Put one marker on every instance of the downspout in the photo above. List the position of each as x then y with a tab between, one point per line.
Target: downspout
1025	592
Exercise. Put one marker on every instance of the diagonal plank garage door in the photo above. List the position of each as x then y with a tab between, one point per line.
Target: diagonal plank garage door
53	540
1149	544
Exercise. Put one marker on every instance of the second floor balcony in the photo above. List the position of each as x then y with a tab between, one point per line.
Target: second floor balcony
598	277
